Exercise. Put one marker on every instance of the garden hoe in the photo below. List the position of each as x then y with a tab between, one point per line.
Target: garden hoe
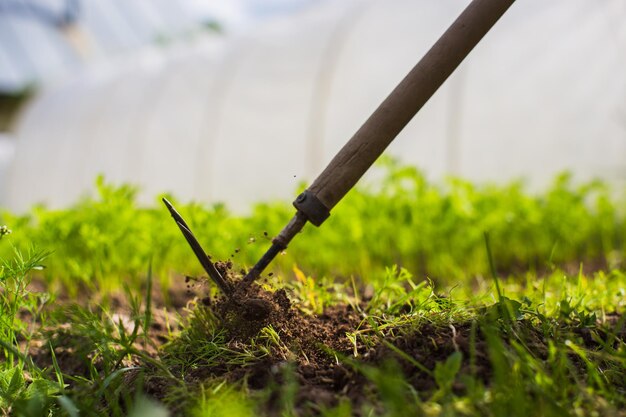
369	142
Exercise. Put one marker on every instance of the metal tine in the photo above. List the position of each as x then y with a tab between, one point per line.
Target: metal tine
208	266
206	263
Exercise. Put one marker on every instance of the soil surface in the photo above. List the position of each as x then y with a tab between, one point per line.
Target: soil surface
323	363
318	355
311	350
326	366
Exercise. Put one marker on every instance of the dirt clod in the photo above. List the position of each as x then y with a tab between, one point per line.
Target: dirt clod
256	309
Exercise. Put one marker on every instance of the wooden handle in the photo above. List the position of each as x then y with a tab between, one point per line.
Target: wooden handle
369	142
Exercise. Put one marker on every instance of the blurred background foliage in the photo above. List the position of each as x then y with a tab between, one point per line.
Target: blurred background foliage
435	231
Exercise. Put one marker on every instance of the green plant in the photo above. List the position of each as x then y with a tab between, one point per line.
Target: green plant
430	229
471	300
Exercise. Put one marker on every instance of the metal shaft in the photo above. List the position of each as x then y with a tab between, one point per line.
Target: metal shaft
279	243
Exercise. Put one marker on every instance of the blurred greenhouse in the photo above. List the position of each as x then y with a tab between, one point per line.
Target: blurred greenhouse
159	94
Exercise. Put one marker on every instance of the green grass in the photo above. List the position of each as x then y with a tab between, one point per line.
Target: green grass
495	301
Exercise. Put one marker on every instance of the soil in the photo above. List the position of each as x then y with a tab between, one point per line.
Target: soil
326	367
312	346
321	359
314	353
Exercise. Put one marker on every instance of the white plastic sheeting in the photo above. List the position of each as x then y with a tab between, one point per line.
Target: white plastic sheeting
247	118
7	148
36	47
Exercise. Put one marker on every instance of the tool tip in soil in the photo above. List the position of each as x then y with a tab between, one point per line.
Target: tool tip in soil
203	258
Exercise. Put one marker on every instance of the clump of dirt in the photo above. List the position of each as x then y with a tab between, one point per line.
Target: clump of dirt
250	309
312	348
308	351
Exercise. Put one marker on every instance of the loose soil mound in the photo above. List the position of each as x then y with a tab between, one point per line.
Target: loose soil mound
316	355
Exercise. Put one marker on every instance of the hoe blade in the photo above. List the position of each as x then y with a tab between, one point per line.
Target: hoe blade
206	263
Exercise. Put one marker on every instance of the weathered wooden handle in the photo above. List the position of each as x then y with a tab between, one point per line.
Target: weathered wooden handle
369	142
